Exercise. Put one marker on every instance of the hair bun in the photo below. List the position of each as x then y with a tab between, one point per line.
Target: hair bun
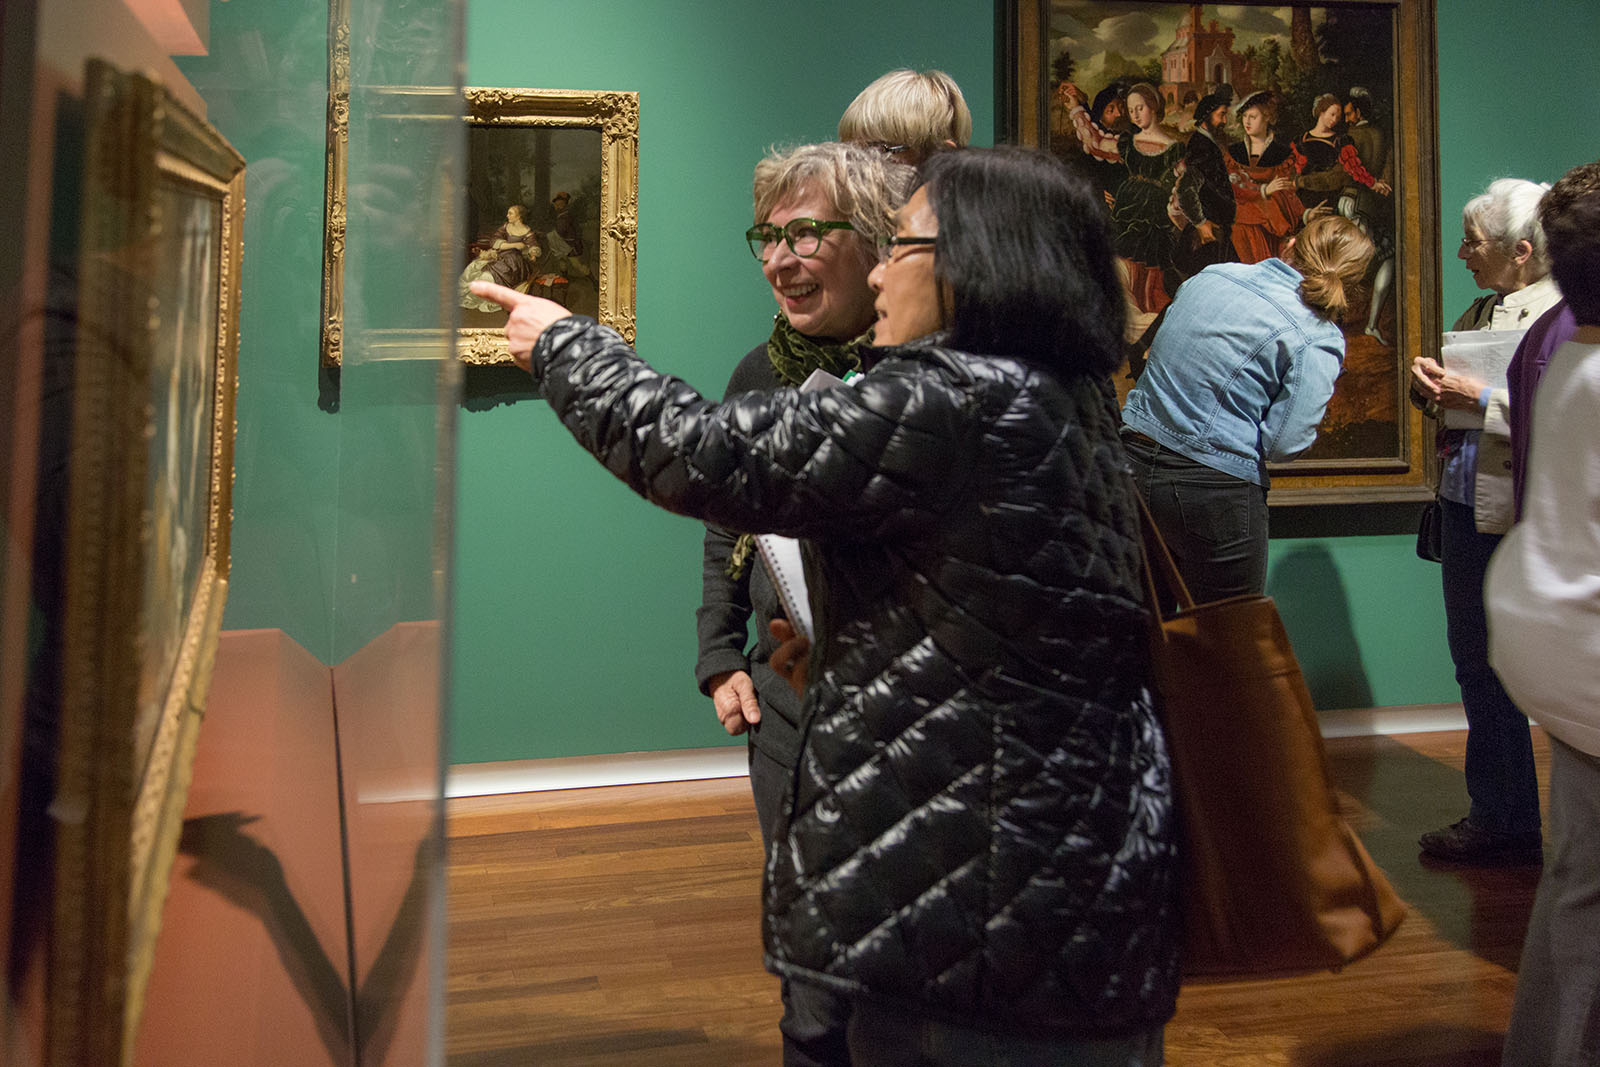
1325	290
1332	254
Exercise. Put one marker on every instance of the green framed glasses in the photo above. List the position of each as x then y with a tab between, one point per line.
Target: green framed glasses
803	236
889	242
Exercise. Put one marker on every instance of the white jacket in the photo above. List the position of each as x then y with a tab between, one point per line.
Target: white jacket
1542	594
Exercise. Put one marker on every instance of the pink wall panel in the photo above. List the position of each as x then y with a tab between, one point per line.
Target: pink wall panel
251	966
387	698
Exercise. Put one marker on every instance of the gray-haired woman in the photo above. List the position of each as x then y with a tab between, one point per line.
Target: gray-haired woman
1503	246
819	212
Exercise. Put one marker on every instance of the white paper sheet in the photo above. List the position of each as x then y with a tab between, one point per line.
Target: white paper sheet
1482	354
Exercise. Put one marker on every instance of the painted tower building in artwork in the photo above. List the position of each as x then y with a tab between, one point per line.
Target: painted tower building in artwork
1200	59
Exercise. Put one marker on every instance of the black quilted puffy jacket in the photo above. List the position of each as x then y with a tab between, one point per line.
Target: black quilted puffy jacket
981	824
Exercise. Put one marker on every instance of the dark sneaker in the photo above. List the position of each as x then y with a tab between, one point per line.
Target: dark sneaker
1464	841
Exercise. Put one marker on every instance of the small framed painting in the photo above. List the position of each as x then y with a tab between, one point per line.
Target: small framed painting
551	207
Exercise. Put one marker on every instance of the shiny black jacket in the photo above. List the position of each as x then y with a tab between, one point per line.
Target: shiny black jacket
980	827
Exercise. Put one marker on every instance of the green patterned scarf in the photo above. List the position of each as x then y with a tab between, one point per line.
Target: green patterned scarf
794	356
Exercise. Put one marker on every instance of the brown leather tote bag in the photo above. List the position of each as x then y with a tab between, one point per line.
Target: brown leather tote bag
1273	877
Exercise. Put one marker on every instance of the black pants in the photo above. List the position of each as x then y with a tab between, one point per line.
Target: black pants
891	1037
814	1019
1499	768
1214	524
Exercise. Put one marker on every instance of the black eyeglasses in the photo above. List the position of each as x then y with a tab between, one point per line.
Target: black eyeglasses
803	236
888	243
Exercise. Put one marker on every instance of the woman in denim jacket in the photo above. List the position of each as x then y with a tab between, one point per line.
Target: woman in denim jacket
1239	375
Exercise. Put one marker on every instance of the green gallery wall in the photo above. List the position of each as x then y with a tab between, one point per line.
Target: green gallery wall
286	450
335	488
573	602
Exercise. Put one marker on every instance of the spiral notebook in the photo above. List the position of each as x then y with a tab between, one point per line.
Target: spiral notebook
782	557
782	554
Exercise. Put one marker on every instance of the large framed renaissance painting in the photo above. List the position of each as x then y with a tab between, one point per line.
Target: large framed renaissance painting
1328	107
551	207
146	541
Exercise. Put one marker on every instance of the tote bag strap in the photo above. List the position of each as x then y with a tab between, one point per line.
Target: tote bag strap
1160	569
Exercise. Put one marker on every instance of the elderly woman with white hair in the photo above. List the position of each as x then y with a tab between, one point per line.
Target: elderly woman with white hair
1504	248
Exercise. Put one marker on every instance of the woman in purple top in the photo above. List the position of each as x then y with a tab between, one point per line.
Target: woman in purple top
1549	332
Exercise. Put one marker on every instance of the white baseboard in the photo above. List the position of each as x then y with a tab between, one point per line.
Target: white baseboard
1401	719
582	772
730	761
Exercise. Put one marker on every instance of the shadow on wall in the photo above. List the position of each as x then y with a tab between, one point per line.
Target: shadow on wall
1315	610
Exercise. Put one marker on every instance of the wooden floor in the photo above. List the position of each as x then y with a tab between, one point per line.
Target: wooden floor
620	926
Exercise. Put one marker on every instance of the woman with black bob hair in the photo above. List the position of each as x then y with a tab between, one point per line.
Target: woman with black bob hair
977	847
1028	258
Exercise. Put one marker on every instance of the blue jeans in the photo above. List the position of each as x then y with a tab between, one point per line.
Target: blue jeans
1499	771
1215	525
891	1037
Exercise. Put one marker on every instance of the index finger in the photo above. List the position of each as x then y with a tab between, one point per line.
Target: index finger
506	297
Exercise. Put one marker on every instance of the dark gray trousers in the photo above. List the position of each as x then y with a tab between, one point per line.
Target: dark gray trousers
1555	1021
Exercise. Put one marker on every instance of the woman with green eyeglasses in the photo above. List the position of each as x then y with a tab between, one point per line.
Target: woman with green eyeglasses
819	210
977	846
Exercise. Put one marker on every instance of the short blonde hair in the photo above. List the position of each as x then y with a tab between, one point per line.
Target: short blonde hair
919	110
1332	253
861	184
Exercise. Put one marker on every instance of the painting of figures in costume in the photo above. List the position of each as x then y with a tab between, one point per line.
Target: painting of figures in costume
533	218
1213	133
551	208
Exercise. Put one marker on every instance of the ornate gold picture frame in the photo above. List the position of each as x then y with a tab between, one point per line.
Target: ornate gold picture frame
565	163
552	192
1074	57
336	168
151	475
